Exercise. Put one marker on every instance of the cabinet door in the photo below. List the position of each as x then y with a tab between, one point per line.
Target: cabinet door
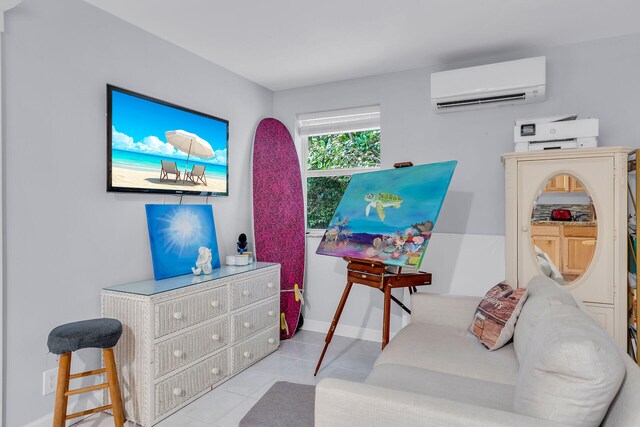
577	253
604	315
558	184
549	245
596	174
575	186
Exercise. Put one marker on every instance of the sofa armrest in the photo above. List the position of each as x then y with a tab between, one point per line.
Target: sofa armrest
443	310
353	404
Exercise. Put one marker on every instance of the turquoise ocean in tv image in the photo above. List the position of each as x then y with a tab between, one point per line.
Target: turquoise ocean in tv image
151	162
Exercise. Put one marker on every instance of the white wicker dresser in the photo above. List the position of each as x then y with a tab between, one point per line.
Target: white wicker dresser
186	335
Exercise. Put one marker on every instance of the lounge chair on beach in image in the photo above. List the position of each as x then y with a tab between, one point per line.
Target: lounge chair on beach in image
197	174
169	168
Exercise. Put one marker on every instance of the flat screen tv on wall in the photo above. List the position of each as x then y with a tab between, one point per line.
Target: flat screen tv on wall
157	147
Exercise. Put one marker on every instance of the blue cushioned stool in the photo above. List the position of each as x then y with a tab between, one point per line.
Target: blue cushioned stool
95	333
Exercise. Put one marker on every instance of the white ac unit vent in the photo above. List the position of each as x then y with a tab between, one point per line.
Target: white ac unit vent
505	83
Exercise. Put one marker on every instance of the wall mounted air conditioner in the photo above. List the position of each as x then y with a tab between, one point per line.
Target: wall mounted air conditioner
505	83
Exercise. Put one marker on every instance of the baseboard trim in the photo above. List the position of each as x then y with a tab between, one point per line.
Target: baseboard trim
47	421
348	331
80	405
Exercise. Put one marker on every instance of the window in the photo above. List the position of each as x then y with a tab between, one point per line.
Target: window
336	145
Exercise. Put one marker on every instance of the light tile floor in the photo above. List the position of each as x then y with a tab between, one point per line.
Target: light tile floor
294	361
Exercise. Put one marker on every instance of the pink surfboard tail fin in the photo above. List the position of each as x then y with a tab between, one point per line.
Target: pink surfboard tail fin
298	293
283	323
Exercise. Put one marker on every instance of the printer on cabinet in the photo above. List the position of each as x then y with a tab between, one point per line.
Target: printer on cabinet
556	132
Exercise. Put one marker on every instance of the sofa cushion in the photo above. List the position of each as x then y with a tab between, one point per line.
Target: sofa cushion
495	318
571	370
446	386
624	410
451	351
543	292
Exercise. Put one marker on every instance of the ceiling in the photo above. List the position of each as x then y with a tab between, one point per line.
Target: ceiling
282	44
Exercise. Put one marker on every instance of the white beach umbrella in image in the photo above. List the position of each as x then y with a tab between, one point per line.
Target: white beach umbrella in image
189	143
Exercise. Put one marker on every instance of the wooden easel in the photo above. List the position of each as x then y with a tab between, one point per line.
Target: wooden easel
375	274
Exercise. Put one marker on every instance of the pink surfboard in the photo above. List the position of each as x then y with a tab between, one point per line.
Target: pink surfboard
278	213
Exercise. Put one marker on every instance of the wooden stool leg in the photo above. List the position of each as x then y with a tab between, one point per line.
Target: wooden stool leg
60	411
114	387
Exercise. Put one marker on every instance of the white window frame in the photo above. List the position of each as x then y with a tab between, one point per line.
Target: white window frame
327	123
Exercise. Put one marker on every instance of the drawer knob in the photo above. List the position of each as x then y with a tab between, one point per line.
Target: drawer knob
524	228
246	354
177	391
215	337
177	315
215	303
247	325
270	313
271	340
177	353
245	293
269	285
215	371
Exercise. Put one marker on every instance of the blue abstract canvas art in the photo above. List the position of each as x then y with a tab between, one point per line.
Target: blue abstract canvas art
388	215
175	233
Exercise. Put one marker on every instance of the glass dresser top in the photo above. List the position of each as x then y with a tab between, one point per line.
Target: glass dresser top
153	287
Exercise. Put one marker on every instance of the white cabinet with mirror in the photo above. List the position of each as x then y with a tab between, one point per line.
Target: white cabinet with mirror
566	218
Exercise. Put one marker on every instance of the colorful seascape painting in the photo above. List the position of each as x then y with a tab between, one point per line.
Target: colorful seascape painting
160	147
388	215
175	233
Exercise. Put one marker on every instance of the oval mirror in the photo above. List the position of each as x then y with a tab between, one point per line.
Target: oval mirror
564	229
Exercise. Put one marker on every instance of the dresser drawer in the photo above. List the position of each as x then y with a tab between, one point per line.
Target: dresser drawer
182	312
252	350
580	231
246	323
247	291
184	349
173	391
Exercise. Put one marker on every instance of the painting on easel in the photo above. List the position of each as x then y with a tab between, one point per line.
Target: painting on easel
388	215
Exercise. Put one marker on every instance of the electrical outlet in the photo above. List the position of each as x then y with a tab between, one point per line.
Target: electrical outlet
49	381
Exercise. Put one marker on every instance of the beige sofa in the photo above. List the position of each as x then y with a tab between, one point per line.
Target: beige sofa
560	369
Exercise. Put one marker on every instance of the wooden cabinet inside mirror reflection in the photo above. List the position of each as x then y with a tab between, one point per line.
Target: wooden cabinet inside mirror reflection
570	247
632	302
564	184
589	252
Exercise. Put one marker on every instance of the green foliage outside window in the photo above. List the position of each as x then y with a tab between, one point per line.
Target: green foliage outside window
336	151
323	195
344	150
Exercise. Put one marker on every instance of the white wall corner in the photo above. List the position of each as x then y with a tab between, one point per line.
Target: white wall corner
4	6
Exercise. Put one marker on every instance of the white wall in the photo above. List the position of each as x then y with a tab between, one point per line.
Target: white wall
66	237
593	79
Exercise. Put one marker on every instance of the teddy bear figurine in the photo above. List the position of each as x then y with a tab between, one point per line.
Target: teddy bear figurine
203	263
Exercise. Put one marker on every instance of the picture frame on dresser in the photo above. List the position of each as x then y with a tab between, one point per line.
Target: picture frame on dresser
186	335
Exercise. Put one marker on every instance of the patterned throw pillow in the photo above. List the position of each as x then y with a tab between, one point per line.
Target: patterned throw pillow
496	315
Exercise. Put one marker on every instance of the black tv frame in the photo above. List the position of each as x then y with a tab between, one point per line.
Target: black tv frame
111	188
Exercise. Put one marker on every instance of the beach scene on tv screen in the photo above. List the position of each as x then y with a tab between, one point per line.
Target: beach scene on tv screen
159	147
